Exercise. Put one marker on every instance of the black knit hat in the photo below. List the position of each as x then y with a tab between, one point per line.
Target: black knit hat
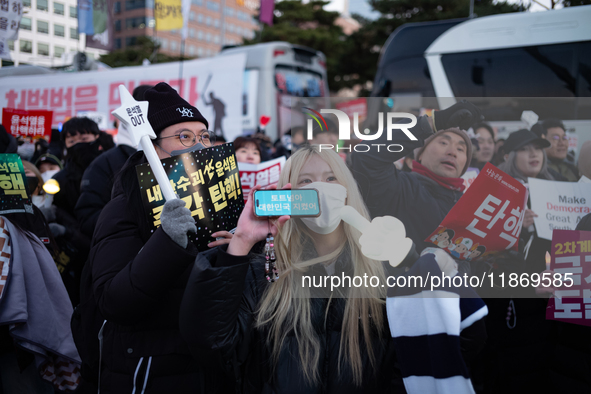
168	108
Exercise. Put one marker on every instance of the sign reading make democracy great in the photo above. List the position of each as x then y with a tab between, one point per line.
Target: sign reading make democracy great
207	181
486	219
559	205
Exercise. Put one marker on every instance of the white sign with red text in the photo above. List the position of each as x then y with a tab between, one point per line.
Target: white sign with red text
264	174
559	205
208	84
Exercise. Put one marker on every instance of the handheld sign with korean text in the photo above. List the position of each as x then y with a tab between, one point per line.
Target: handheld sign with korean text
571	278
134	114
207	180
486	219
13	188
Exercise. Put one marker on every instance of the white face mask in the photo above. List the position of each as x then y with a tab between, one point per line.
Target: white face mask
38	201
47	175
332	198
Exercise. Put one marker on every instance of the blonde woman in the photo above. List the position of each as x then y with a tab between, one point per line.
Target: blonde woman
277	337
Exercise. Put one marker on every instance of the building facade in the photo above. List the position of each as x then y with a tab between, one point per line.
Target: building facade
212	24
48	34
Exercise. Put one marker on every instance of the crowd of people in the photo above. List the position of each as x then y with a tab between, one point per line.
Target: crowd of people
154	314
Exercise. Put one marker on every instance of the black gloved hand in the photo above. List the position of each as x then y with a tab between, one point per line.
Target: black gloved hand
462	114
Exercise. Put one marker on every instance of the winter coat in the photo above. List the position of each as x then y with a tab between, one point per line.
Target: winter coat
569	172
138	282
217	320
419	202
97	184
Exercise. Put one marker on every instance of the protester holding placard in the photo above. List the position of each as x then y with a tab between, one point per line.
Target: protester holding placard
525	158
97	182
518	356
572	354
422	198
136	276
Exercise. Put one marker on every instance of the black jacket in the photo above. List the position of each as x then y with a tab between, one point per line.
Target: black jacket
138	284
97	184
217	320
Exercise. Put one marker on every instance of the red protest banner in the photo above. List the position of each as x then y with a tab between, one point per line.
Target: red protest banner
31	124
486	219
264	174
571	263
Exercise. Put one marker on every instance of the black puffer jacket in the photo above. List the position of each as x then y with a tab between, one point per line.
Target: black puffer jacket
217	320
97	184
138	284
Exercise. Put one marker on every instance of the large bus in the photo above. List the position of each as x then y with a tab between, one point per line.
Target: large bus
520	57
541	54
275	73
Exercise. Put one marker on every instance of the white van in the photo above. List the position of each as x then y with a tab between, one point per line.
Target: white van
275	72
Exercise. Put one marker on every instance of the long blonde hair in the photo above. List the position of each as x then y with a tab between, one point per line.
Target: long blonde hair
286	305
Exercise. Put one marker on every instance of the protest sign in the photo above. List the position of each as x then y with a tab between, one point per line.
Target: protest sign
14	197
559	205
28	124
571	254
11	12
486	219
100	118
264	174
208	84
207	181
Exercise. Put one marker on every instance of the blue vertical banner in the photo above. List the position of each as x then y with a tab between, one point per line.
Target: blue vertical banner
85	24
95	20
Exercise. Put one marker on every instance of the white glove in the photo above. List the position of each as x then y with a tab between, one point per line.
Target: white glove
384	239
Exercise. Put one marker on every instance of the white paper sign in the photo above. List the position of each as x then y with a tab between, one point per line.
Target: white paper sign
559	205
100	118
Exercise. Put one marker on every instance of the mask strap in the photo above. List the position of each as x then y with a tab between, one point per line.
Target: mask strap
170	154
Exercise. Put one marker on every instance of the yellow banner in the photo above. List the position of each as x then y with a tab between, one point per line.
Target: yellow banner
168	14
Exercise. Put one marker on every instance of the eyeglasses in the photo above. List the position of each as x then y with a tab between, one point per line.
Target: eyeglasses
557	138
188	138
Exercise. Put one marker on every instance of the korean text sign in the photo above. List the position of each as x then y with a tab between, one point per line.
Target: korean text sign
66	94
487	219
264	174
29	124
11	12
571	254
207	181
559	205
13	185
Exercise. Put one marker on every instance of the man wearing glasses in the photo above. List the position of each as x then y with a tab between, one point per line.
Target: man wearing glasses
554	131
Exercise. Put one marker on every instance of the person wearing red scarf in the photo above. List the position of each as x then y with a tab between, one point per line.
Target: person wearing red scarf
423	197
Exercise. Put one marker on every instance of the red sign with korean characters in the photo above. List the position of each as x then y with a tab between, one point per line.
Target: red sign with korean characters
32	124
487	219
264	174
571	260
